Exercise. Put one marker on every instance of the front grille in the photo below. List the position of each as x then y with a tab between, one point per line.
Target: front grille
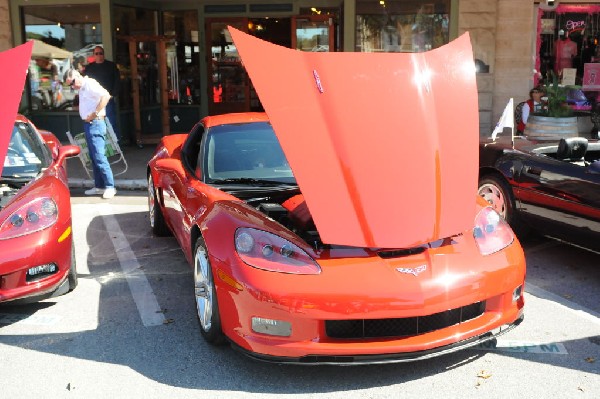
380	328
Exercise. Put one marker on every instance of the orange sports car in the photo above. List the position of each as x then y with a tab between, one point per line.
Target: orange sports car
343	224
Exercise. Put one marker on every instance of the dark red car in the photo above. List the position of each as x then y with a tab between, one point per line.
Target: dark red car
36	239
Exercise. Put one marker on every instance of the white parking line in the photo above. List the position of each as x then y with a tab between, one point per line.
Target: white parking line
142	293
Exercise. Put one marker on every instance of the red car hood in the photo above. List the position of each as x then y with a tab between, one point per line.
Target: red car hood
383	145
13	64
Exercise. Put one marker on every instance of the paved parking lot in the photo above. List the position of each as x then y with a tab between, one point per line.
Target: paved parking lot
129	330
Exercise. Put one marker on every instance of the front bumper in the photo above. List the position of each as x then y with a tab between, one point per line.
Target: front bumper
348	360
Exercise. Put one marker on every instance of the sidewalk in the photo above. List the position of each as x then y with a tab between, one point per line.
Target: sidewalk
133	179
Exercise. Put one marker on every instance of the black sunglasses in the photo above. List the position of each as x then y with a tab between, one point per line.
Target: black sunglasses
98	53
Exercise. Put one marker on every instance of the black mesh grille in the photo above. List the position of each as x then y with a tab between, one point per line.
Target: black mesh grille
378	328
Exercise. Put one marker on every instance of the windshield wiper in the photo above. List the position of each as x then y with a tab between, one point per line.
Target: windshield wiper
15	180
252	181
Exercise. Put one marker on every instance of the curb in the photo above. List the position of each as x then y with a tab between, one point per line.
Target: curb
120	184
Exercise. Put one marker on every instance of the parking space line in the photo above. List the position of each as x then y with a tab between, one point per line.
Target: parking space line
140	288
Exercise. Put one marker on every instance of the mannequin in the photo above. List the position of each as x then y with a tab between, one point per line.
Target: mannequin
564	51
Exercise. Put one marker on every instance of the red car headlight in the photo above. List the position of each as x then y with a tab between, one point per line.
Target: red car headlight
491	232
270	252
37	215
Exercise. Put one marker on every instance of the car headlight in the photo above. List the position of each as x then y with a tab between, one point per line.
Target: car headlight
491	232
37	215
270	252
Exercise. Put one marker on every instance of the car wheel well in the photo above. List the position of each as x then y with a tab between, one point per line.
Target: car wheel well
194	235
505	191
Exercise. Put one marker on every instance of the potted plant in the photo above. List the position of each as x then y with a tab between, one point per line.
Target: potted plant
555	100
556	119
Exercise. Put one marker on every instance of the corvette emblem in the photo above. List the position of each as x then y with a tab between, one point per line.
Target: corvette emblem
414	271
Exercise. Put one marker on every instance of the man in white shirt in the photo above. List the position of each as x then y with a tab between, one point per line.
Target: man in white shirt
92	103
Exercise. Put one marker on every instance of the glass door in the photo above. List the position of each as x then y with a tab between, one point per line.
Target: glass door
229	89
313	33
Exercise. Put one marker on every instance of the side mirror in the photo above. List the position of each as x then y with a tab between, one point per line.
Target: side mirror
67	151
170	165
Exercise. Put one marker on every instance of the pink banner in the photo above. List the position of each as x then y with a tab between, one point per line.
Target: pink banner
14	64
591	76
583	9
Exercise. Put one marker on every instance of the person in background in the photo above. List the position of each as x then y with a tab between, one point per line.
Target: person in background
93	99
534	104
107	74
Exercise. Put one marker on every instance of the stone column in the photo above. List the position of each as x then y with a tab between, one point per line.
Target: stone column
6	41
478	17
513	75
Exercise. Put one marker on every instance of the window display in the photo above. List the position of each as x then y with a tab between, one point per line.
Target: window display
567	40
399	26
64	36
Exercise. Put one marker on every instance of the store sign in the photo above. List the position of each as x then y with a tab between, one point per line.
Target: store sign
548	26
591	76
574	23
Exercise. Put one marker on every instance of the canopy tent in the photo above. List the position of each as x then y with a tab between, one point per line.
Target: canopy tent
41	49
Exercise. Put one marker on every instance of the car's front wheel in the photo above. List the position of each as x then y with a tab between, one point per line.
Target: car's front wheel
157	219
72	276
207	306
499	195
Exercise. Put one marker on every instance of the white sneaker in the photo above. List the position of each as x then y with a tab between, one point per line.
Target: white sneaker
94	191
109	193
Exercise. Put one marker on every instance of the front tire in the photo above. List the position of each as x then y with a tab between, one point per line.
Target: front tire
73	279
157	219
498	193
207	307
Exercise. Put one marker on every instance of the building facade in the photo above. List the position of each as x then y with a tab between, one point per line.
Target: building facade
178	64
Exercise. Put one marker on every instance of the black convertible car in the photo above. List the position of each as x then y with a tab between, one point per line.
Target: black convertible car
552	187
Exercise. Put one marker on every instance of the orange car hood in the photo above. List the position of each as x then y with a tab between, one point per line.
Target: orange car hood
383	145
13	64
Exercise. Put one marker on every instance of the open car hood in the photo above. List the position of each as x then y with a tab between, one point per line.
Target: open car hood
13	63
383	145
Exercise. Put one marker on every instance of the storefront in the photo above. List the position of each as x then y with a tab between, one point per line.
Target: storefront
567	40
177	61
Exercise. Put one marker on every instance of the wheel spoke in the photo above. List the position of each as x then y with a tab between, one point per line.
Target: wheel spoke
203	289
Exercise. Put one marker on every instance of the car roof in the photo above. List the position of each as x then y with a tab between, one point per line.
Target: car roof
241	117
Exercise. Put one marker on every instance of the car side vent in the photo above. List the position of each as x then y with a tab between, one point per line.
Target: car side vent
399	253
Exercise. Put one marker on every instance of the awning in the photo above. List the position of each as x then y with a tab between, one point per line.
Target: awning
41	49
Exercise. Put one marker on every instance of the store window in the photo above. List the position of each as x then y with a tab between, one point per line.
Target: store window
567	45
137	26
65	36
183	56
401	26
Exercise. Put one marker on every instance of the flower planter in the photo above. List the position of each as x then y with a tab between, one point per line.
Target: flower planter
551	128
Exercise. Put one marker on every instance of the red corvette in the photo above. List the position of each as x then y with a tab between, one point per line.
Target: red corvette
35	217
340	229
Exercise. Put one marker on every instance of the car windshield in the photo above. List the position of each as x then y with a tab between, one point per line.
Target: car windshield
26	155
246	153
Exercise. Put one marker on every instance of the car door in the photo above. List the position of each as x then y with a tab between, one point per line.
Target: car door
560	198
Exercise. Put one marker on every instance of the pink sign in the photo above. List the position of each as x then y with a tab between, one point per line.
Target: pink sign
591	76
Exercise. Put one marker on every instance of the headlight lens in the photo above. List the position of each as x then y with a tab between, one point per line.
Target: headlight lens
270	252
37	215
491	232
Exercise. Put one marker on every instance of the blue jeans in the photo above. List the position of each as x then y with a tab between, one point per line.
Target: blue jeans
111	114
95	135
